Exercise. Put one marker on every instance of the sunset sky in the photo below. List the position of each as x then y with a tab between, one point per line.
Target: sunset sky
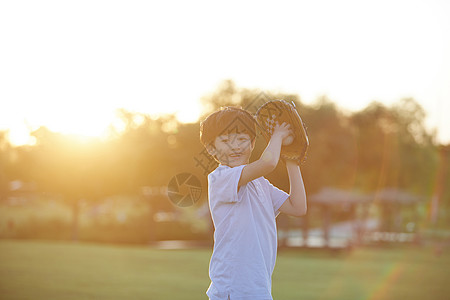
69	65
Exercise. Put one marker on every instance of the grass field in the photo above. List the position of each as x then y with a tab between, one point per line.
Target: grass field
51	270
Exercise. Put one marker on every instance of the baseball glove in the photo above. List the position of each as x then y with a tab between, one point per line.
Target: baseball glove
279	111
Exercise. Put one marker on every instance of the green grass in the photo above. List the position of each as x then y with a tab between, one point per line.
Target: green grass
51	270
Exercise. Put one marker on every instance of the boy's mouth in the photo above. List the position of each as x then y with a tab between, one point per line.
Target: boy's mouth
235	154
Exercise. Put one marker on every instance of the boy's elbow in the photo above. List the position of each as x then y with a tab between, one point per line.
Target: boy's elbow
303	212
269	161
271	165
299	212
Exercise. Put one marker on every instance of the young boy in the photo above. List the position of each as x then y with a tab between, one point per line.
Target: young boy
244	205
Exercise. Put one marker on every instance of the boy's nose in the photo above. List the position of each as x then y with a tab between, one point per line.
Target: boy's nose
235	145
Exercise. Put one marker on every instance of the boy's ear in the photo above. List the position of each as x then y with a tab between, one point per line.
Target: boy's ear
211	149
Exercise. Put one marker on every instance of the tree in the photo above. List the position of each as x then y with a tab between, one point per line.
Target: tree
395	149
5	164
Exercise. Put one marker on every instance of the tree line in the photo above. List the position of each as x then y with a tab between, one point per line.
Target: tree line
371	149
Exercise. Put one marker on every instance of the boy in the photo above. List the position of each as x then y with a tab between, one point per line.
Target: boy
244	205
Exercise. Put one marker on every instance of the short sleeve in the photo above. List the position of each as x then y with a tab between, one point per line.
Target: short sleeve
223	184
277	196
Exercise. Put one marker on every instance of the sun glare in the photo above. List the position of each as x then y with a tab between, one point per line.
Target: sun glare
99	122
77	124
71	79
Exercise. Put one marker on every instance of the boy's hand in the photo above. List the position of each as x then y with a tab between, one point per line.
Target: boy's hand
283	132
269	158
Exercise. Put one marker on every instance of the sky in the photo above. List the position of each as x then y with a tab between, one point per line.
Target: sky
69	65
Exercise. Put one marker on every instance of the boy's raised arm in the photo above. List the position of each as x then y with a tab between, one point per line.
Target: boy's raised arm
269	158
295	205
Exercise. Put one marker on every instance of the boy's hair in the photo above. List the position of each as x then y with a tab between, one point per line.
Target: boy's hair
227	120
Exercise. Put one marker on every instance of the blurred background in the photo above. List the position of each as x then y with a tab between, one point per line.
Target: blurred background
100	104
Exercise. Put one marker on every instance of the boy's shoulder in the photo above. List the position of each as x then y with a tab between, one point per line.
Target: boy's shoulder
224	171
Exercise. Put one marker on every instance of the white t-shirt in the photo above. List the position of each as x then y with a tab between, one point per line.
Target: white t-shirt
245	236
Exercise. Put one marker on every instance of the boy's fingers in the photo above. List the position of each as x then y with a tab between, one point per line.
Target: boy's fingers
284	126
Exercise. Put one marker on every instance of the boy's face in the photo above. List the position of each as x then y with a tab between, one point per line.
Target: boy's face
233	149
